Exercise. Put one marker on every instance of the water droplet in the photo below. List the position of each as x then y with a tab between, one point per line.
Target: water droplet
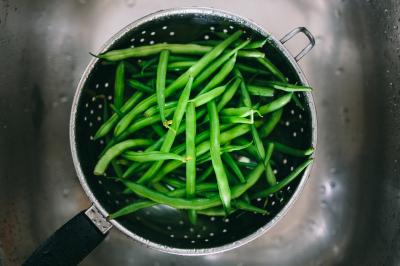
130	3
65	192
63	99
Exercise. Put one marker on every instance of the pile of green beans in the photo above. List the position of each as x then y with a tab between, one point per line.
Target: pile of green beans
192	126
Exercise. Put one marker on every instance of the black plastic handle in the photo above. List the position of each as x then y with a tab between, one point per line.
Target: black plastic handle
69	244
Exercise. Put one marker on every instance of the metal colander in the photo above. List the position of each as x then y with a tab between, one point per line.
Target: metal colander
162	227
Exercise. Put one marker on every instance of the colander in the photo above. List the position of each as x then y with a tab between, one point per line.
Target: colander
162	227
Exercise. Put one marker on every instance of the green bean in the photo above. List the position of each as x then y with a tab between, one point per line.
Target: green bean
179	82
275	104
222	179
213	212
251	54
205	174
116	110
109	124
160	84
158	129
243	89
250	69
228	94
191	153
154	109
256	44
171	134
144	75
272	68
177	58
247	164
284	86
284	182
116	150
225	149
237	120
133	207
235	168
297	101
271	178
260	91
252	178
119	85
208	96
181	65
239	111
131	68
200	188
243	205
152	156
216	64
140	86
292	151
142	123
174	182
270	125
221	75
148	63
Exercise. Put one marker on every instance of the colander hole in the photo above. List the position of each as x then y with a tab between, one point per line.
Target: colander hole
295	134
147	212
212	28
102	142
97	86
116	202
270	195
139	61
206	240
90	124
108	192
98	118
152	33
93	99
151	42
132	46
292	112
100	106
109	97
144	32
172	33
288	188
106	85
198	236
185	236
280	200
141	40
299	95
204	228
231	27
275	171
301	129
212	219
138	218
191	229
211	234
169	228
284	161
273	203
172	236
259	199
181	222
127	200
100	182
192	241
164	27
86	105
287	123
133	39
226	220
206	37
85	118
291	168
225	30
300	116
224	230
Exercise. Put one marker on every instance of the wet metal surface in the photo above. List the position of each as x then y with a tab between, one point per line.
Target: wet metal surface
349	211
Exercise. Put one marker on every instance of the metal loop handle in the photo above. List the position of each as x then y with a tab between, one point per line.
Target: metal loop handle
309	36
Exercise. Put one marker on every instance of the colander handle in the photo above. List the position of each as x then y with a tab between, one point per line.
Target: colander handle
309	36
71	243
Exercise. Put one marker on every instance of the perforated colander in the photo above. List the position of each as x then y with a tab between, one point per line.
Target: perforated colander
162	227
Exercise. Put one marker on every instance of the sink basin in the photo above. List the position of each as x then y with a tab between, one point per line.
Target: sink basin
348	213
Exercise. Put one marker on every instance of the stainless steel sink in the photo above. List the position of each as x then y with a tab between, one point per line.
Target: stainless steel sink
348	214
